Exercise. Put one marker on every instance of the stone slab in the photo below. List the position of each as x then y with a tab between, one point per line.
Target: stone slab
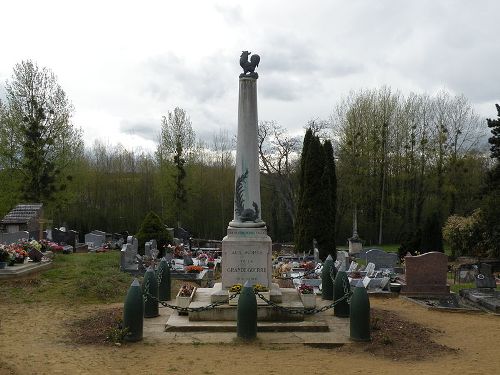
180	323
381	259
20	270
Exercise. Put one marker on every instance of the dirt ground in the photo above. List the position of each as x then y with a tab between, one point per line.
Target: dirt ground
38	339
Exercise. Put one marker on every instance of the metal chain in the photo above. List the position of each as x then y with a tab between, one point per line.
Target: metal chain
347	297
191	309
304	311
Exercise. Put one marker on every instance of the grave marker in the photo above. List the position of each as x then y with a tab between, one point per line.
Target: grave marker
426	275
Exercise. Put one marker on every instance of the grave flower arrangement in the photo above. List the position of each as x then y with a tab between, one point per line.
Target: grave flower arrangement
18	254
236	288
202	256
194	269
311	275
186	290
308	266
305	289
257	288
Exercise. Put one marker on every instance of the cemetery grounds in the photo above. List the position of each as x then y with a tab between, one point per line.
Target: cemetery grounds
57	322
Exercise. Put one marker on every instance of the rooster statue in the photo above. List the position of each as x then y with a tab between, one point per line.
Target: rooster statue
249	66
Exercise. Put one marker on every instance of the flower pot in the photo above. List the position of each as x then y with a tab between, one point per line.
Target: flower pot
184	302
3	265
20	260
308	300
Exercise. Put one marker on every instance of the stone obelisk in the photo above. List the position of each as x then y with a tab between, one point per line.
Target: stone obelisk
246	250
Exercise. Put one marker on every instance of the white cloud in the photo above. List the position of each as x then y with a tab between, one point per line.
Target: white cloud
125	64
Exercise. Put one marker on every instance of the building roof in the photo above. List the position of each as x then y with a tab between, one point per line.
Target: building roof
22	213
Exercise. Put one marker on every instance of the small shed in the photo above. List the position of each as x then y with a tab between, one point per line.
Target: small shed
23	217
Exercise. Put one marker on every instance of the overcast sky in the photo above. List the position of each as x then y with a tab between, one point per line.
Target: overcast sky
124	64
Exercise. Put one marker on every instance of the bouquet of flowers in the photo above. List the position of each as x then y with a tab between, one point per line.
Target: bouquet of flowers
305	289
236	288
260	288
194	269
186	290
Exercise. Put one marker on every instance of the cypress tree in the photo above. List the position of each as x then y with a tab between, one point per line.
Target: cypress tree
152	227
432	235
300	240
329	206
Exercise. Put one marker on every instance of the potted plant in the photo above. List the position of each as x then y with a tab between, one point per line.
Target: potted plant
306	293
185	295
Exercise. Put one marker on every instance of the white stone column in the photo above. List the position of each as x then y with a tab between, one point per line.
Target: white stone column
246	250
247	206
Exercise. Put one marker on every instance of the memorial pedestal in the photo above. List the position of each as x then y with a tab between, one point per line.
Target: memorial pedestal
246	256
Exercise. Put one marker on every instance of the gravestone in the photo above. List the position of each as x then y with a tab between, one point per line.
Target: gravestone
65	237
187	260
128	255
316	255
147	249
342	257
35	255
353	267
134	242
370	269
426	275
381	259
485	279
9	238
94	241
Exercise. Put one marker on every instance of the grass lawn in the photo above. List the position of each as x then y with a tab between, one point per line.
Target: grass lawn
74	278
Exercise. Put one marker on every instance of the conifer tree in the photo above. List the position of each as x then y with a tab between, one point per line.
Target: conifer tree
491	200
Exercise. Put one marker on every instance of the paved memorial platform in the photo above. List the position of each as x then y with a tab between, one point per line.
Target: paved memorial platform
25	269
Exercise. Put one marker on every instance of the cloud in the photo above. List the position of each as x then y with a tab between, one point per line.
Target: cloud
145	129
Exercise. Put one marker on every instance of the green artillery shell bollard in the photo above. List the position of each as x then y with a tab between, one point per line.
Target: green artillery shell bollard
150	294
326	279
133	312
340	289
360	315
247	313
164	281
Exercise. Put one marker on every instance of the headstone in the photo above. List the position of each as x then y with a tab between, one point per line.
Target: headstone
353	267
370	269
316	255
35	255
383	283
147	249
188	261
96	240
336	264
426	275
9	238
134	242
342	257
355	245
485	278
381	259
366	281
65	237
